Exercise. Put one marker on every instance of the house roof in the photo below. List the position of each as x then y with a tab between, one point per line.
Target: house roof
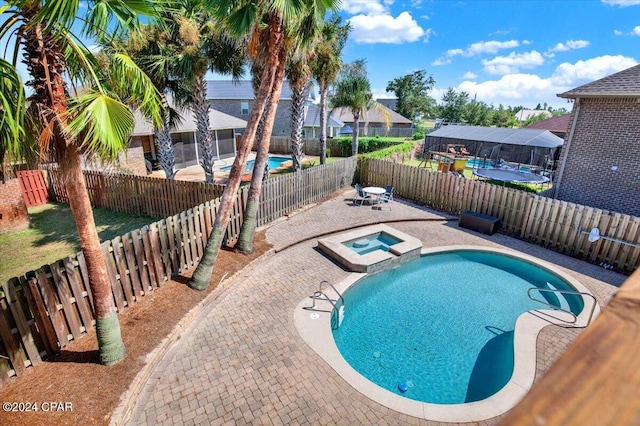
525	114
217	121
372	115
623	84
527	137
241	89
559	123
312	118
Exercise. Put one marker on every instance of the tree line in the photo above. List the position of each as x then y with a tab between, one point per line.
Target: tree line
414	102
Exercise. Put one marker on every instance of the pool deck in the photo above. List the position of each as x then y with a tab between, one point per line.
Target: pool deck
238	358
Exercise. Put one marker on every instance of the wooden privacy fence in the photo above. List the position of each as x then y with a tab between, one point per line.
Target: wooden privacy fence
35	190
283	194
141	195
44	310
554	224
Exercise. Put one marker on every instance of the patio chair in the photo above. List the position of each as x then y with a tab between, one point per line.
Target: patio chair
360	195
388	192
385	200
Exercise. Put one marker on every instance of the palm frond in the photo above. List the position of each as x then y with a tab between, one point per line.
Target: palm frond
142	91
102	125
12	111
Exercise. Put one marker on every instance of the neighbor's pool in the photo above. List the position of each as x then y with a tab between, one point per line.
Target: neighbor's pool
274	163
443	324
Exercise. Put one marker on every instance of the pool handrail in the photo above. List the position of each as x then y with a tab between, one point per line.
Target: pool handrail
557	308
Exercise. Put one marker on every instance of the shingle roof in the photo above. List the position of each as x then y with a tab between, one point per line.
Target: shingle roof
217	121
625	83
528	137
313	118
372	116
242	89
559	123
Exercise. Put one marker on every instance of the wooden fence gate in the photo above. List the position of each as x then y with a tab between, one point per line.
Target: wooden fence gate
34	187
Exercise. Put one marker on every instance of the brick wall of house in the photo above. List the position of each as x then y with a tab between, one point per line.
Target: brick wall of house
281	125
607	137
13	211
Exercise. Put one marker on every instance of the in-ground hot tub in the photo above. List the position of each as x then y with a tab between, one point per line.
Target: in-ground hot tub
371	249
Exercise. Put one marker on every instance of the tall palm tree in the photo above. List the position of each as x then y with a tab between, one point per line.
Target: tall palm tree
299	33
205	47
153	48
65	125
353	91
299	77
244	17
326	66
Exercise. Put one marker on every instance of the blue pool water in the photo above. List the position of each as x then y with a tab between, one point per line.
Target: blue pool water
442	325
475	163
274	163
379	241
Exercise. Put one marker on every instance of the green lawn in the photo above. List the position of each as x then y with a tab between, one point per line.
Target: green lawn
53	236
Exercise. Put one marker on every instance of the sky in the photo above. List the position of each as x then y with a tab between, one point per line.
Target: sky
502	52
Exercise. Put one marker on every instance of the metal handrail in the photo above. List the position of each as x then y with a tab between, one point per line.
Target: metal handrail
551	305
321	295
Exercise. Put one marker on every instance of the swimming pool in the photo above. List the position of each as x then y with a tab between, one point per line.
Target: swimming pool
442	324
496	354
274	163
380	241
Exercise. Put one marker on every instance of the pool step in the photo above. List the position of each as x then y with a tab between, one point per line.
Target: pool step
564	304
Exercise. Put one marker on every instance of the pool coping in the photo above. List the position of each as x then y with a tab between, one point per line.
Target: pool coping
315	329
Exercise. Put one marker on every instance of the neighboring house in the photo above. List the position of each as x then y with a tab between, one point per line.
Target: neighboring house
390	103
311	127
601	154
223	129
525	114
558	125
236	98
373	121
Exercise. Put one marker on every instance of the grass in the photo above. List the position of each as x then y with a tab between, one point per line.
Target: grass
53	236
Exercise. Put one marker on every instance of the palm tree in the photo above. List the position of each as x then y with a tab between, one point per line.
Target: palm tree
298	34
66	126
353	91
245	17
299	77
326	67
204	47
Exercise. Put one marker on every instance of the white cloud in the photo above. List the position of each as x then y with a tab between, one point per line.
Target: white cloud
621	3
617	32
366	7
570	45
513	62
527	42
582	72
529	89
636	31
386	29
441	61
469	76
490	47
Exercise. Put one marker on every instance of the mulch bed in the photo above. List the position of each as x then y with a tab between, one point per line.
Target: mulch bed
92	391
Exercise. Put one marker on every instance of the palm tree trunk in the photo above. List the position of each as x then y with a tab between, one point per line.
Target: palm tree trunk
247	232
356	130
297	121
46	63
202	274
165	150
107	326
201	111
323	124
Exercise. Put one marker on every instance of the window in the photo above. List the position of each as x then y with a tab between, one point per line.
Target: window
244	108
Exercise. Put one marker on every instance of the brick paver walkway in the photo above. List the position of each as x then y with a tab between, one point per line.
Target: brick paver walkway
241	361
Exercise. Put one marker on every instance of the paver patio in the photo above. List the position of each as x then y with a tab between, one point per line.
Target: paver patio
241	360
